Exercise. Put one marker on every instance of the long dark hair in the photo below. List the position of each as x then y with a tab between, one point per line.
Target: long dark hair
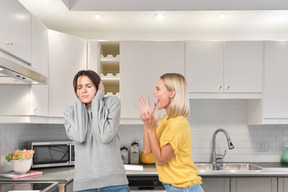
92	75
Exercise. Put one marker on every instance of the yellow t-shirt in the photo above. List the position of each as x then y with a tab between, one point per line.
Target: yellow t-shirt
180	170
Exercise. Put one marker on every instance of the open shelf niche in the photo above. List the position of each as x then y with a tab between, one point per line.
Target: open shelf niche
109	64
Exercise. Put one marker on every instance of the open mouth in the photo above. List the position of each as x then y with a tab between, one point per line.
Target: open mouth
156	101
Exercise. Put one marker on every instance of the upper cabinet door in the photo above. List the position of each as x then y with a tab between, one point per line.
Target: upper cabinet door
39	93
141	65
214	67
15	33
39	46
67	55
275	82
204	66
243	66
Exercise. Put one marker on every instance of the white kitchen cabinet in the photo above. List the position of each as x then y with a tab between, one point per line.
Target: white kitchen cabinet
254	184
142	63
15	33
272	109
217	69
93	55
216	184
39	47
276	80
39	93
18	102
243	66
204	66
67	56
14	101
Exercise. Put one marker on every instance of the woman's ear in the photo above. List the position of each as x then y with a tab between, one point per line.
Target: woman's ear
172	94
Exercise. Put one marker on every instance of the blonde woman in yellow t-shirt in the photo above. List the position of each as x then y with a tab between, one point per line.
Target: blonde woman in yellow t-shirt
170	142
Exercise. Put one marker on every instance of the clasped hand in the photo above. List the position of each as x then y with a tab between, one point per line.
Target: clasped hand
147	113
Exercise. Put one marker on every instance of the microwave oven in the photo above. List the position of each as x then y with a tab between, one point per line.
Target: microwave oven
53	154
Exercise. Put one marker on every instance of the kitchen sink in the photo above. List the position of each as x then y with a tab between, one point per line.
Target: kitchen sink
232	167
202	167
239	167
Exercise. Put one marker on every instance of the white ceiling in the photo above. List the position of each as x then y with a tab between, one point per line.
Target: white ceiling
172	5
256	18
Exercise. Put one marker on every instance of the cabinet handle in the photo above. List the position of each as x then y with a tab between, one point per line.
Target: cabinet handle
228	86
9	43
219	86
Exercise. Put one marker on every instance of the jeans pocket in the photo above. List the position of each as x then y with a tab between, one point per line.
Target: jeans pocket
196	188
171	188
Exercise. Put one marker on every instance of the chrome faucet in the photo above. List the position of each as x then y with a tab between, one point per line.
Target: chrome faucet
215	156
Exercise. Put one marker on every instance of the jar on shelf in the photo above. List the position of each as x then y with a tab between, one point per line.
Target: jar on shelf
124	154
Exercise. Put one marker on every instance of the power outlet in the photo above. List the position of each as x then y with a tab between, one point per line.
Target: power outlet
263	146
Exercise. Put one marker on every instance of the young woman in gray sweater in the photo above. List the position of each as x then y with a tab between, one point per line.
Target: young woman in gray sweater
92	123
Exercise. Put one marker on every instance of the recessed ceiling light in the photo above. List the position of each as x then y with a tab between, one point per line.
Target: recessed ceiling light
97	17
35	82
1	69
222	16
280	16
159	16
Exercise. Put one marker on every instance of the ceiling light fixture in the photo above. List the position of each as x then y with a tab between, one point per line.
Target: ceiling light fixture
1	69
281	16
159	16
97	17
222	16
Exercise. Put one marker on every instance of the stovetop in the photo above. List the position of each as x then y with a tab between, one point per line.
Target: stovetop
28	186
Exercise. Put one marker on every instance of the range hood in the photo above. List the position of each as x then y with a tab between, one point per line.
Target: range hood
14	73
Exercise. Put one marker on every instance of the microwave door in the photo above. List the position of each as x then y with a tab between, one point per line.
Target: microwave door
51	155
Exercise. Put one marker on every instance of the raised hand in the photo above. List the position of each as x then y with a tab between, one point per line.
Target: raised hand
101	86
143	106
147	112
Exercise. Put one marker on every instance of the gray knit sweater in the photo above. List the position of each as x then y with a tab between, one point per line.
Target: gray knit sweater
94	130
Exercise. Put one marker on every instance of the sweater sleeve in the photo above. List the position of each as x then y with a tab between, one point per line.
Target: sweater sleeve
76	121
106	116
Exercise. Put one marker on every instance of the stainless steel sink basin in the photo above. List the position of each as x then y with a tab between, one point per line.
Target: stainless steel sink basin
202	167
232	167
239	167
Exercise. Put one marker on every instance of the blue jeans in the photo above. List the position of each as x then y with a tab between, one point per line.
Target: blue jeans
193	188
118	188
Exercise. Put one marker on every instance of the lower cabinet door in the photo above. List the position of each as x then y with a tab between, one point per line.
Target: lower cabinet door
254	184
282	184
216	184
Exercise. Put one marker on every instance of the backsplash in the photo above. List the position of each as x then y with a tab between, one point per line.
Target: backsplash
19	136
262	143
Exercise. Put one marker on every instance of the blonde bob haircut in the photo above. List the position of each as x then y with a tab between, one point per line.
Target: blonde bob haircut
180	103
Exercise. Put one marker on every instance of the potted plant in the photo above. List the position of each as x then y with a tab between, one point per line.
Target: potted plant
21	160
